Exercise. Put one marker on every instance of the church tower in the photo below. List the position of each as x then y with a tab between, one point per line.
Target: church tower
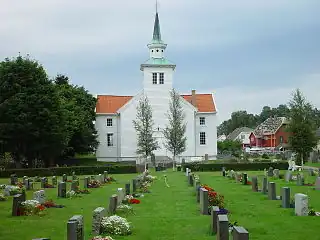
157	83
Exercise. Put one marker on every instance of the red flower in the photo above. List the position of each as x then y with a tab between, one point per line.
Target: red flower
41	207
134	201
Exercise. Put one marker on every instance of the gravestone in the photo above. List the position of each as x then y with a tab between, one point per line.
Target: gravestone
13	179
204	201
288	176
272	191
40	196
27	184
237	177
244	178
276	173
223	170
240	233
264	189
43	182
54	180
214	219
127	187
86	182
97	216
254	183
64	178
74	176
112	204
105	176
285	197
134	185
187	172
101	179
75	228
300	180
223	227
311	172
121	195
74	185
190	180
301	204
16	203
270	172
62	189
317	183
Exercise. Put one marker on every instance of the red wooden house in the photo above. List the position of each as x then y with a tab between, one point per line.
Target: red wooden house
271	134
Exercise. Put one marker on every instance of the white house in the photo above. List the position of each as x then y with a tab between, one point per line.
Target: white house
115	114
242	134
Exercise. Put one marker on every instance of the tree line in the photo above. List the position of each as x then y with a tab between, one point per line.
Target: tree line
43	119
242	118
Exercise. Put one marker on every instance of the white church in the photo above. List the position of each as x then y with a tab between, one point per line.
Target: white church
115	114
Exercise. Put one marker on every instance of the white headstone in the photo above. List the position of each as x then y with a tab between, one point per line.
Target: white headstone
301	204
121	195
317	183
7	190
187	172
39	196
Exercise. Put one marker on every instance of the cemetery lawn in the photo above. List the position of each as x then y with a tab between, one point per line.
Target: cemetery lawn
169	213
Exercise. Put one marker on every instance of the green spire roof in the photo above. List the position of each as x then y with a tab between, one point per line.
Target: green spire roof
156	30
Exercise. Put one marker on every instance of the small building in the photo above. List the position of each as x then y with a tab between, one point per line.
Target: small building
271	134
221	138
242	134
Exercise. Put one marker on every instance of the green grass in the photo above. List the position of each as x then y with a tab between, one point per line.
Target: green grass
170	213
312	164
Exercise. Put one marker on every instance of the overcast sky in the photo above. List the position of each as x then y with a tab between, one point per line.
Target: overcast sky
249	53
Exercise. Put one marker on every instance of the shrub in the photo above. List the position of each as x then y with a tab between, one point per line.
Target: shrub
58	171
265	156
255	166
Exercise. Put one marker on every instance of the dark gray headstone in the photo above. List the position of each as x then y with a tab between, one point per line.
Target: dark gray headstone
64	178
240	233
264	189
300	180
190	180
270	172
113	204
285	197
13	179
127	188
272	191
62	189
97	216
204	201
86	182
244	178
43	182
214	219
16	203
198	193
223	227
134	185
27	184
75	228
254	183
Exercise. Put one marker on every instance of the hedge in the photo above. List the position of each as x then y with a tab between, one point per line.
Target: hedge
59	171
202	167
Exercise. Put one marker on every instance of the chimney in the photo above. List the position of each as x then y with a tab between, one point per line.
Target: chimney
193	98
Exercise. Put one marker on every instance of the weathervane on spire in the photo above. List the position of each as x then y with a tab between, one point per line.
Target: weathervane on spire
156	6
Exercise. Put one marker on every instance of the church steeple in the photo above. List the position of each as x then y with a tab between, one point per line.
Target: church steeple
156	30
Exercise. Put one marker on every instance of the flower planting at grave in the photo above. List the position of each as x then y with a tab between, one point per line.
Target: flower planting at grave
71	194
2	198
144	181
102	238
47	185
82	191
215	199
110	179
94	184
12	190
51	204
115	225
124	209
31	207
129	199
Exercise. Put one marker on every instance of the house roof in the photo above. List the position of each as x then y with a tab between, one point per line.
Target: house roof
111	104
269	126
237	131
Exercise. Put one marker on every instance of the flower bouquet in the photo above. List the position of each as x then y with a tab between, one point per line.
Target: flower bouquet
129	199
71	194
31	207
125	209
51	204
110	179
82	191
115	225
94	184
47	185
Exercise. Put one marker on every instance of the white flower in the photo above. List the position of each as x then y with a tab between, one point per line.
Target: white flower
30	203
115	225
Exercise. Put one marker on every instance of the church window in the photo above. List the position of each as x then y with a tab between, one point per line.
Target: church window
109	122
202	120
157	50
154	78
202	138
161	78
162	50
110	139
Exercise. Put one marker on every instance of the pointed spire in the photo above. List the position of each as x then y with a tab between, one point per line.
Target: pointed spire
156	29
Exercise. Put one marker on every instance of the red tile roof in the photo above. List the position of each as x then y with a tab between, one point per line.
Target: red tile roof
111	103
